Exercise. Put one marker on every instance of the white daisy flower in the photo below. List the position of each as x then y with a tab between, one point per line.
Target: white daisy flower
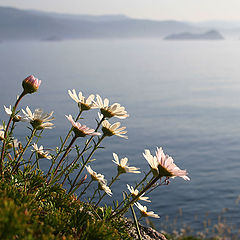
144	213
40	152
163	164
96	176
167	167
152	161
110	130
38	119
114	110
102	182
81	130
83	104
123	165
103	186
135	192
16	118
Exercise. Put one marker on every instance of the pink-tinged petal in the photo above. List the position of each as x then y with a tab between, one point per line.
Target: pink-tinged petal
31	84
81	130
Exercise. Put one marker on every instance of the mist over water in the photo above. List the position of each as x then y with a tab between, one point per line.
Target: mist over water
183	96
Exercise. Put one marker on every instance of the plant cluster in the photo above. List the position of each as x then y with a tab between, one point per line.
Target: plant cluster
40	198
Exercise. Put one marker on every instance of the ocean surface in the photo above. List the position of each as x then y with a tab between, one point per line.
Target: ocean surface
182	96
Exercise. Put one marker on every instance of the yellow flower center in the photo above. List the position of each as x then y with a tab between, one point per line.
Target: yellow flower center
41	155
37	124
163	172
107	132
84	106
144	214
78	132
94	178
106	113
121	169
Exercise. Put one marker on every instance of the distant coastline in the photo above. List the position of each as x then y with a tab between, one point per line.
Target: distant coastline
210	35
44	26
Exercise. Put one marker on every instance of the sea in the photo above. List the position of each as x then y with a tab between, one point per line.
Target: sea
183	96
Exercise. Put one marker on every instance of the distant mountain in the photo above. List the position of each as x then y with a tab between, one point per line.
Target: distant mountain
18	24
84	17
210	35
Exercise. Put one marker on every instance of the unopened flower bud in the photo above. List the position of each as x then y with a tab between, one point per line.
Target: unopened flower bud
31	84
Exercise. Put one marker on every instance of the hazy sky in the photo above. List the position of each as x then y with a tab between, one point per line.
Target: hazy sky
193	10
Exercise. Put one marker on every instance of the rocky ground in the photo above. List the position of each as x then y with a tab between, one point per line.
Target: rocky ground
147	233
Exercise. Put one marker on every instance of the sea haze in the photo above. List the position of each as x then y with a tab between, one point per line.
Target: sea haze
183	96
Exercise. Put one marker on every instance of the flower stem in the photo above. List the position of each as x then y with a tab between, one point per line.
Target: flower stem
84	149
63	157
6	130
148	186
85	163
136	222
63	144
93	195
24	150
143	180
84	190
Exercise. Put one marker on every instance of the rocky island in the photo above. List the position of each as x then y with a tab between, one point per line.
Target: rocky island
210	35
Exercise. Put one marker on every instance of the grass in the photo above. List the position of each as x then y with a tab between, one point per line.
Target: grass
31	209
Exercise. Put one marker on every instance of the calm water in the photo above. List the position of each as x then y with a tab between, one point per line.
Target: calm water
183	96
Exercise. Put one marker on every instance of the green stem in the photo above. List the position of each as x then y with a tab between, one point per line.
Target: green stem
63	144
24	150
148	186
84	149
136	222
85	163
6	130
29	161
143	180
93	195
84	190
63	157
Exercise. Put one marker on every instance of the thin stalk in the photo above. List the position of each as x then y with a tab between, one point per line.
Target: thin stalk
6	130
63	157
93	195
85	163
136	222
63	144
12	127
65	178
104	194
29	160
148	186
84	149
83	191
143	180
24	150
122	202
